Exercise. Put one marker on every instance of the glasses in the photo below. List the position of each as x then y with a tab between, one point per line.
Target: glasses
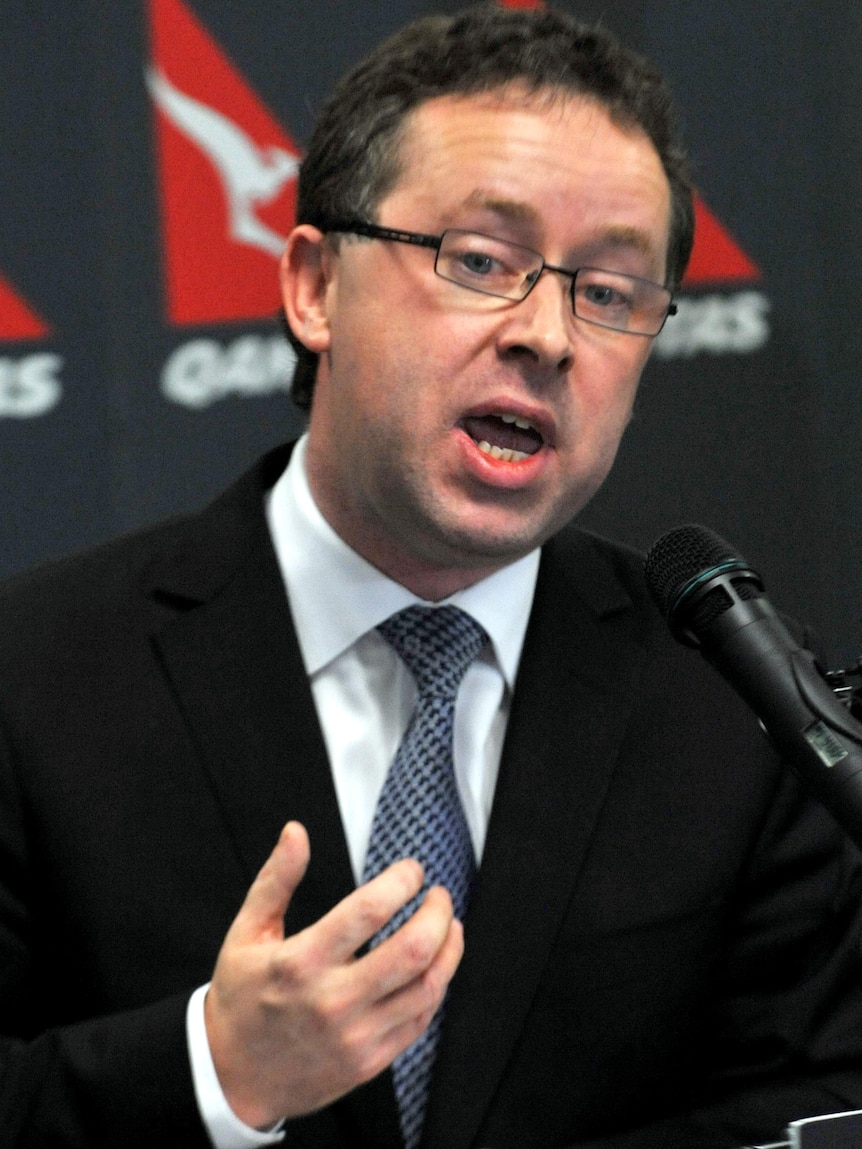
508	271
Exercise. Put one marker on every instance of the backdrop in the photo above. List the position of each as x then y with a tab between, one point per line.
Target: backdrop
149	153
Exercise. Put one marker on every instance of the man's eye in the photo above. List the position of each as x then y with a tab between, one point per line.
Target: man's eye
603	295
479	263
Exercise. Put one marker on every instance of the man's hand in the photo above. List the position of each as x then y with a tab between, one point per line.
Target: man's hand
294	1023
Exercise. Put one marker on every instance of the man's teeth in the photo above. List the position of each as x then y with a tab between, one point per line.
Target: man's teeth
507	454
504	453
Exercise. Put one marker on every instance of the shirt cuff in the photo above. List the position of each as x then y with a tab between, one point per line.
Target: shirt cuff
225	1129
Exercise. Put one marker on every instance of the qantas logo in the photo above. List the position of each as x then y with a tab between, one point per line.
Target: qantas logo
250	176
227	181
227	177
227	189
29	384
721	308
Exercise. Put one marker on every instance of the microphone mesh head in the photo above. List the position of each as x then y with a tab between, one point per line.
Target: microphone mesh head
680	556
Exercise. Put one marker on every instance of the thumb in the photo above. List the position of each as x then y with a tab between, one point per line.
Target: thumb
261	916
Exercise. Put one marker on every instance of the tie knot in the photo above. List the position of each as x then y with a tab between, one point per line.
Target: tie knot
436	643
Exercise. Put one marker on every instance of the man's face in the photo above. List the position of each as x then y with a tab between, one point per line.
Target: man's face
416	372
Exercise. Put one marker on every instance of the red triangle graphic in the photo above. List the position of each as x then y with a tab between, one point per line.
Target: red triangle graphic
17	320
716	257
227	176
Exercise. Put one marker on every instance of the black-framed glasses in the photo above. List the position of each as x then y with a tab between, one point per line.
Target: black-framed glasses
508	271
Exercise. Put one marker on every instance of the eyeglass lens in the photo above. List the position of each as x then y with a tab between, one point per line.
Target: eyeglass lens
496	267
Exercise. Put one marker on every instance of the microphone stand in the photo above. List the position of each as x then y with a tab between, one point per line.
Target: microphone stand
844	690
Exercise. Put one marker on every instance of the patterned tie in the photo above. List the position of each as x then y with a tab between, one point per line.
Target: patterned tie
419	812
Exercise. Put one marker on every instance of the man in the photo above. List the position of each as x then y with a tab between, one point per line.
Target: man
660	947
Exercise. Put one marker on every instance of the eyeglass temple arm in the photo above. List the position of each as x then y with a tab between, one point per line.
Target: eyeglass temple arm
373	231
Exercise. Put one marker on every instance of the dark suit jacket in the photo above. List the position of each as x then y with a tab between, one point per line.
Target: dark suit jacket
661	950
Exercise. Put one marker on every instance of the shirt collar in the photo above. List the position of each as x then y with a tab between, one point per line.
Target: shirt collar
320	569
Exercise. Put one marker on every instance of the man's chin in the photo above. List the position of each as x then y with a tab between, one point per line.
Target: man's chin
485	544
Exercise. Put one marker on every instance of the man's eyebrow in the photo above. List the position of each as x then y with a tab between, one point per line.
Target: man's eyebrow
631	237
515	210
519	212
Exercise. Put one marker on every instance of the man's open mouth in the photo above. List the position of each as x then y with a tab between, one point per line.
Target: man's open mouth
504	437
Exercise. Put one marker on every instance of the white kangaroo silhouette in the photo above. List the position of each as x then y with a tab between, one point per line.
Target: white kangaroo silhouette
250	175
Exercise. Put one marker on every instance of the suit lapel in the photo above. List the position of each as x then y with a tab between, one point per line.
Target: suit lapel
568	716
234	664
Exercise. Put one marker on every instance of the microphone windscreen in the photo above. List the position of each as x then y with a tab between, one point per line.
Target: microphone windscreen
681	555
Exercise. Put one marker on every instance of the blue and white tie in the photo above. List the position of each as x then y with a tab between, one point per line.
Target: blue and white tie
419	812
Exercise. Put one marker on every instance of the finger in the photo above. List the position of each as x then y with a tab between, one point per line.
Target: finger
261	916
413	949
358	917
407	1012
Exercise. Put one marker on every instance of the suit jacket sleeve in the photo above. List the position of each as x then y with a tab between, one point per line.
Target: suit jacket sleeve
120	1079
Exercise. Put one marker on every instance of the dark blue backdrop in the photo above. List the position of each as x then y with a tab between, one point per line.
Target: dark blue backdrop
113	414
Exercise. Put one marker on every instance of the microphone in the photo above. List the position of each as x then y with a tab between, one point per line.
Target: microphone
714	601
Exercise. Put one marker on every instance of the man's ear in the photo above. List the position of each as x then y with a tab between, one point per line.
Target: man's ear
305	272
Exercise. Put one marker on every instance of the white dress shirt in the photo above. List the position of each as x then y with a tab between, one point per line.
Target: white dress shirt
365	696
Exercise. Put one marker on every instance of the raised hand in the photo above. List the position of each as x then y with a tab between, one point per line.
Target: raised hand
294	1023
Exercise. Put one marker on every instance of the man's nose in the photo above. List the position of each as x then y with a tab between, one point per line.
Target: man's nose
543	325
